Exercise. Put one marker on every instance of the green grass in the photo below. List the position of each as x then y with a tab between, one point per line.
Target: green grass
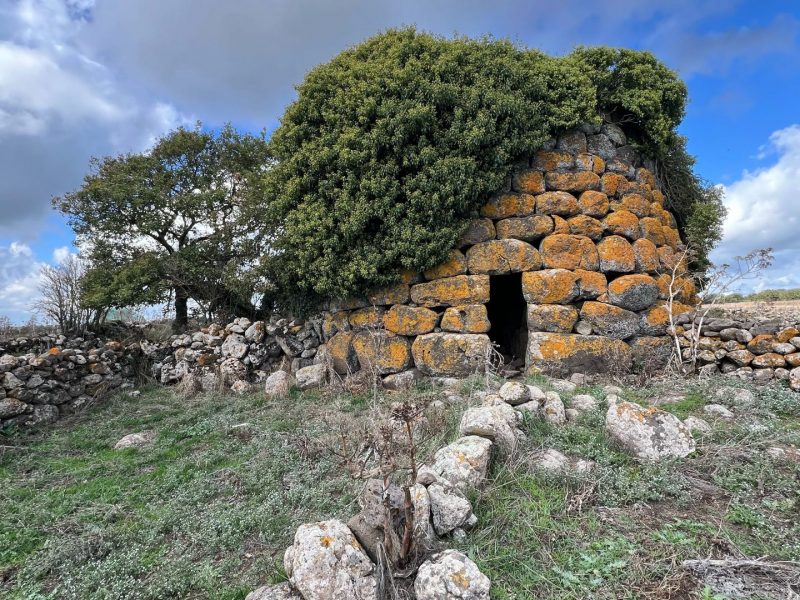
207	514
200	514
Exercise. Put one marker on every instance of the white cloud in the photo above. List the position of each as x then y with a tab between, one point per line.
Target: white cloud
764	211
61	254
19	281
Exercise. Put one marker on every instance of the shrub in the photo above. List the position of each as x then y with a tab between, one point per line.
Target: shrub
392	146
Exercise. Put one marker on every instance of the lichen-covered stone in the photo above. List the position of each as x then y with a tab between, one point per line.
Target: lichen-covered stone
649	434
591	283
528	181
610	321
616	255
509	205
498	257
478	230
410	320
382	352
463	463
456	264
593	204
452	291
588	226
554	318
551	286
370	317
334	322
528	229
770	359
562	353
624	223
341	352
557	203
590	162
652	230
646	255
545	160
635	203
326	562
391	294
451	354
451	575
572	182
633	292
613	184
572	252
466	318
655	321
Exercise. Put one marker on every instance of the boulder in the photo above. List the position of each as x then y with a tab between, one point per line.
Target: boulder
624	223
588	226
396	293
403	380
551	286
467	318
529	181
326	562
456	264
550	460
610	321
463	463
697	425
584	403
278	384
369	317
141	439
553	409
557	203
563	354
341	352
554	318
514	392
11	407
593	204
509	205
499	257
382	351
235	346
497	423
649	434
633	292
451	354
450	509
452	291
733	396
794	379
645	255
529	229
478	230
410	320
450	575
312	376
616	255
562	251
572	182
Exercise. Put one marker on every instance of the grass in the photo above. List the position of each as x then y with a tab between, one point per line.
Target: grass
204	513
621	531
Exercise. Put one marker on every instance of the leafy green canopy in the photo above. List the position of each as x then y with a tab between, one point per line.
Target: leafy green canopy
391	148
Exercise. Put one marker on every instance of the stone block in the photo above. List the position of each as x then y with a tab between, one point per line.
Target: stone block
451	354
551	286
610	321
497	257
382	351
528	229
616	255
528	181
593	204
624	223
554	318
509	205
572	182
410	320
633	292
452	291
456	264
562	204
561	354
561	251
478	230
467	318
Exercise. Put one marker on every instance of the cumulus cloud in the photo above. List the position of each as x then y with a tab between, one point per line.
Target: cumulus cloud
764	210
19	281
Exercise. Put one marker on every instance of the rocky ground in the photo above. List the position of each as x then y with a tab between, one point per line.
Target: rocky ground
159	495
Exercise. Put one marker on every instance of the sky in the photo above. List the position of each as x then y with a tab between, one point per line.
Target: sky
83	78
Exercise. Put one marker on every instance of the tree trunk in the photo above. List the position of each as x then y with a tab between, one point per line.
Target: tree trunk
181	321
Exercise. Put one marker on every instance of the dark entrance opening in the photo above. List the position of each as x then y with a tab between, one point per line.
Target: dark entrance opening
507	311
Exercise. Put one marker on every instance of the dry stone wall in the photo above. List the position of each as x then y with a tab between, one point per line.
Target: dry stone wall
569	266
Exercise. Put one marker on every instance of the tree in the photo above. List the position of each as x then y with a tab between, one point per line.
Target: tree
166	223
60	300
392	147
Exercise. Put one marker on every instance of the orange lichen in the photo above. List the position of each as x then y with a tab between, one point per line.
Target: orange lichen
509	205
557	203
573	182
370	317
529	181
652	230
646	256
456	264
410	320
551	317
613	184
552	161
590	162
593	203
623	222
585	225
525	228
390	294
616	255
452	291
591	283
468	318
784	335
560	251
497	257
382	351
555	286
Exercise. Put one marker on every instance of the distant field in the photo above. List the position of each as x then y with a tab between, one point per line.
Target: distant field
789	309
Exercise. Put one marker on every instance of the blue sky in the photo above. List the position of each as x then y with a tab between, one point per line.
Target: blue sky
95	77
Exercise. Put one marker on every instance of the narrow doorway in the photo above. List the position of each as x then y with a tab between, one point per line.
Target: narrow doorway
507	314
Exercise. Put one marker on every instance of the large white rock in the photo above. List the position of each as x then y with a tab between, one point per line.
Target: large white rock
449	508
583	403
234	346
278	384
649	434
463	463
326	562
794	379
312	376
550	460
450	575
141	439
514	392
496	423
732	396
553	409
